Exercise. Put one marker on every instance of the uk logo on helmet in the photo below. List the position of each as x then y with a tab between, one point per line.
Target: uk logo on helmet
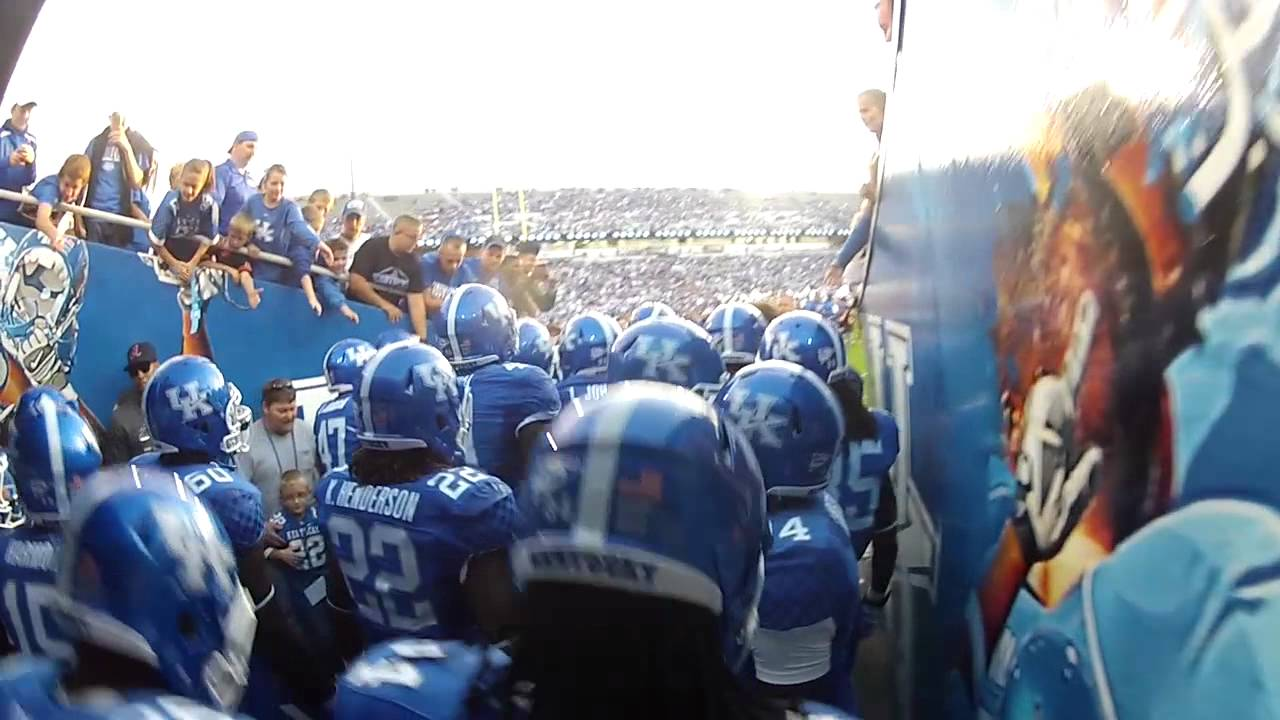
756	419
189	400
661	359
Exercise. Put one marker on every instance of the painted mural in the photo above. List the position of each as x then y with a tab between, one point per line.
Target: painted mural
1072	309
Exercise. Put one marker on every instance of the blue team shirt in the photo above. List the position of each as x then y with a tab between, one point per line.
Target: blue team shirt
582	387
475	267
31	687
14	177
435	282
402	547
235	501
335	431
107	178
428	680
859	476
176	217
498	400
281	230
809	607
231	188
28	569
46	191
304	585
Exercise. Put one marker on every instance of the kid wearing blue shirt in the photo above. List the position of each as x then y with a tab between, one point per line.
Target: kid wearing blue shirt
184	213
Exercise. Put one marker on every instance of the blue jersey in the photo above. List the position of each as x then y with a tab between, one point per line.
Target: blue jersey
435	282
28	567
402	548
31	688
582	387
281	230
335	430
235	501
497	401
304	586
176	217
1180	623
428	680
860	474
809	608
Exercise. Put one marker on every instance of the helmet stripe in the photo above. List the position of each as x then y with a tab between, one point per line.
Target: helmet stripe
727	329
599	474
366	381
57	464
451	323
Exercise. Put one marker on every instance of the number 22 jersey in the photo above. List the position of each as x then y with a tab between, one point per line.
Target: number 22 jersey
402	548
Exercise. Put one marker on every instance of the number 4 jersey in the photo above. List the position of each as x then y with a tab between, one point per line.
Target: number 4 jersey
403	548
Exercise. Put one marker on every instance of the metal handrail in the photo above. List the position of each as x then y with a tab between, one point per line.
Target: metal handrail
25	199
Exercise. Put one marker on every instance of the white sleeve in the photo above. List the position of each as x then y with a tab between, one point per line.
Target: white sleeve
795	656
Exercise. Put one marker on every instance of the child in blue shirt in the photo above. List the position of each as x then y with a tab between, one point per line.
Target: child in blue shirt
332	292
280	229
67	186
186	212
302	564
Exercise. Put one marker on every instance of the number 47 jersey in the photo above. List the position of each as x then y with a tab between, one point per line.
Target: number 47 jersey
335	431
402	548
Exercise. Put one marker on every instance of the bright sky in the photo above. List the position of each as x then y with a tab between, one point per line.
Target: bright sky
755	95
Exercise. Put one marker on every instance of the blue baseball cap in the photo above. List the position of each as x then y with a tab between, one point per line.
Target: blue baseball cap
244	136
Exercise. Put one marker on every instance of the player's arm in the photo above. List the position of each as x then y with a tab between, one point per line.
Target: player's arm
278	637
7	646
348	639
491	593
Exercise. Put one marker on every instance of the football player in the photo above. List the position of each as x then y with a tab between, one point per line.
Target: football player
642	569
334	425
198	423
583	356
650	309
804	648
52	452
860	474
149	597
736	329
506	406
417	545
533	344
669	350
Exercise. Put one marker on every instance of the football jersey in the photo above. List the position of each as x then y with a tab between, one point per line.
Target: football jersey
31	687
428	680
1179	623
235	501
402	548
304	586
335	431
859	475
28	567
582	388
809	607
497	401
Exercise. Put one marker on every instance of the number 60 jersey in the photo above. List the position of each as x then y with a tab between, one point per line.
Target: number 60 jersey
403	547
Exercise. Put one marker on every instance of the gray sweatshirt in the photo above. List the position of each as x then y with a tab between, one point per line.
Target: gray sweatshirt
270	455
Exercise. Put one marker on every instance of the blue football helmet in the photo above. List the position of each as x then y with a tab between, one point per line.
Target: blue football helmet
792	420
152	577
585	342
533	344
475	326
343	363
806	339
670	350
190	407
392	335
409	398
663	455
52	452
736	329
651	309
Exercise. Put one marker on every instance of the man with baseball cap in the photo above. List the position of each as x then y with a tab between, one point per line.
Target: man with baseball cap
232	185
353	219
17	157
485	267
127	437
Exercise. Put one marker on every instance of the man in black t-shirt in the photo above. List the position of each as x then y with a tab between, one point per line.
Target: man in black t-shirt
389	263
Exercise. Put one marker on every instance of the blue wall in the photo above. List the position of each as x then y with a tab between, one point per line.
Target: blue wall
125	303
1040	160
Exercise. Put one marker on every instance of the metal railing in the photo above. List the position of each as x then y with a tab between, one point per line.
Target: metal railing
272	258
